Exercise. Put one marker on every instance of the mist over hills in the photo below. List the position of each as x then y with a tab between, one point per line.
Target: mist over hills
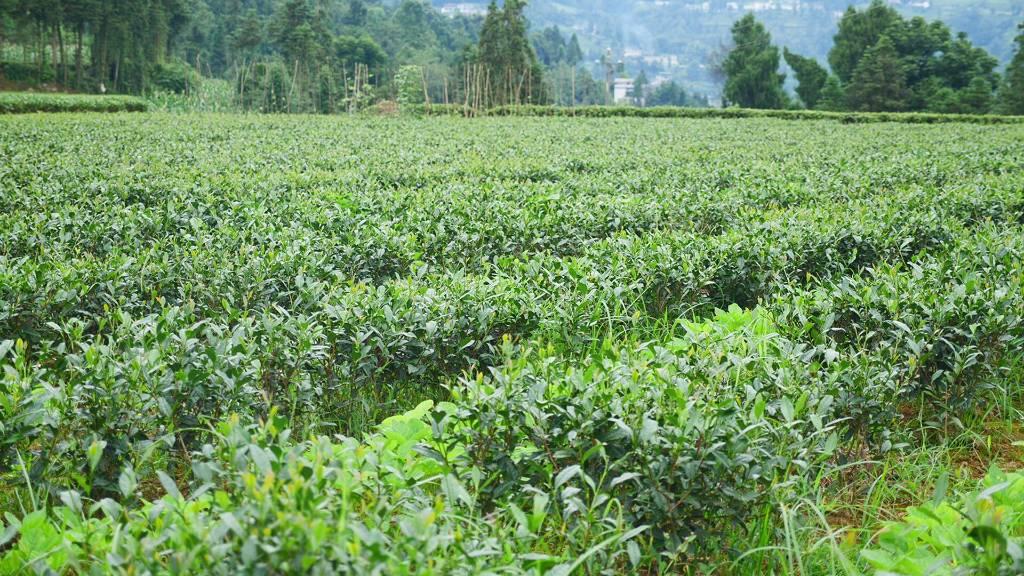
678	38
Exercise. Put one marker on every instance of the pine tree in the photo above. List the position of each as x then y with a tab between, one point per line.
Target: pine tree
574	55
356	15
879	82
505	52
1011	93
832	97
292	31
640	89
550	46
751	68
249	34
810	75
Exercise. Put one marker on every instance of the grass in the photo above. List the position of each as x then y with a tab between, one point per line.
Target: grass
831	519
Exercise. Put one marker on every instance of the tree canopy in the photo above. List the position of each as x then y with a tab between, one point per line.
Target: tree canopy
1011	93
751	68
887	62
810	75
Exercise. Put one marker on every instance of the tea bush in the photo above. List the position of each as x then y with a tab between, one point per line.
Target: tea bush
422	345
25	102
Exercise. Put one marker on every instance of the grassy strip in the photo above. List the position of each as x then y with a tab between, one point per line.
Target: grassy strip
25	102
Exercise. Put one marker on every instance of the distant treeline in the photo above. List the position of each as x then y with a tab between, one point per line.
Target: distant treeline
880	62
292	55
327	56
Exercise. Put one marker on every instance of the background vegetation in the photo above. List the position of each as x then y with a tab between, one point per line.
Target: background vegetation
334	56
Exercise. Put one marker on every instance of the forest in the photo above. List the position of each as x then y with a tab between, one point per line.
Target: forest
343	55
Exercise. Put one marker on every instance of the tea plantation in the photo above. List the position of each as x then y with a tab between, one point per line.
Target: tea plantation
268	345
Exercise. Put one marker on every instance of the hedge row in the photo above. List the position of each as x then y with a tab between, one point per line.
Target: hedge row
26	102
680	112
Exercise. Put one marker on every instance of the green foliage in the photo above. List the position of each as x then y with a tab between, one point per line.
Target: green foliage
979	533
26	73
672	94
811	78
24	102
176	78
976	97
888	63
265	87
551	48
1011	93
751	68
409	83
858	32
350	50
832	98
510	67
319	345
264	501
691	112
879	82
573	52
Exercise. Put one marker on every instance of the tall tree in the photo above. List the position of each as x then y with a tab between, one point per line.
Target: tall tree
879	83
640	89
810	75
513	72
859	31
832	97
550	47
292	31
1011	93
246	39
751	68
936	66
574	55
976	97
357	14
668	94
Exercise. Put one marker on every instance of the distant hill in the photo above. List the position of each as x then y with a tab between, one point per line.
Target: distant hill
647	34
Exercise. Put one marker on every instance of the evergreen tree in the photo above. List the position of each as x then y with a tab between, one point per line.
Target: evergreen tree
1011	93
962	62
943	100
751	68
514	74
976	97
921	45
936	66
574	55
832	97
859	31
879	82
550	46
640	89
356	15
350	50
292	31
248	36
810	75
668	94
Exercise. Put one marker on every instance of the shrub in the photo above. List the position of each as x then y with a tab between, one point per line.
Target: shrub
24	102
